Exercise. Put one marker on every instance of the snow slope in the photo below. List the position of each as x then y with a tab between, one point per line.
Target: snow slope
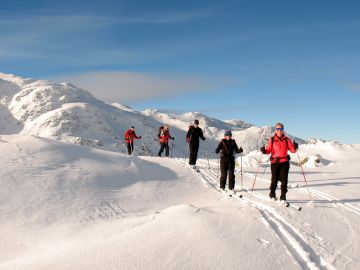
80	208
65	206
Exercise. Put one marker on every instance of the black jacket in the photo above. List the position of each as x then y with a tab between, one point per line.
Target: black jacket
193	135
228	148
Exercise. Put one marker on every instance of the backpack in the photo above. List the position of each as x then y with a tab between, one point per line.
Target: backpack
127	135
160	130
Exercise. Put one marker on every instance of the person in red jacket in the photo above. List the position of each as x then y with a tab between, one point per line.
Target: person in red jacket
130	135
278	146
164	136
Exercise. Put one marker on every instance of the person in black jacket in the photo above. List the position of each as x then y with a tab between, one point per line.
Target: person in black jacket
227	149
192	138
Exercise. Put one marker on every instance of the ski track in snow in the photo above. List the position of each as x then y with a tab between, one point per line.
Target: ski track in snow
319	194
338	256
295	243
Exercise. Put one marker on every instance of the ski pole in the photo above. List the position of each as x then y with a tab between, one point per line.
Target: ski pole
188	152
146	151
218	171
207	155
171	149
266	165
257	171
241	173
304	175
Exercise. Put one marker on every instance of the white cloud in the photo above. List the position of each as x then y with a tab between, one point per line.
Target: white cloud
77	21
135	86
169	17
355	87
51	23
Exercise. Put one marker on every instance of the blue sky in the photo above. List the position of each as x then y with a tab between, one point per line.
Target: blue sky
297	62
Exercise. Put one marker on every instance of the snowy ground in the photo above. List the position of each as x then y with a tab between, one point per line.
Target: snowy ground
66	206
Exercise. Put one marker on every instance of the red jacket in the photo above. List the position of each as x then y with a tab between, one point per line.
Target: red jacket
165	136
278	148
130	135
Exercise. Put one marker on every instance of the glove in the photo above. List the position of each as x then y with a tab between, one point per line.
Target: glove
139	137
296	146
172	138
263	150
203	139
217	151
241	150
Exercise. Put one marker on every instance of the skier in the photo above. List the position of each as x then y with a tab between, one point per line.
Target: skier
278	146
130	135
192	138
227	147
164	136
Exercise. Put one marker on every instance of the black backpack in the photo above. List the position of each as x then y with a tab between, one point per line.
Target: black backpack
160	130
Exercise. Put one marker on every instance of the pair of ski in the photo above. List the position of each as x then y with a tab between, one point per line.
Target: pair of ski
285	203
231	193
237	193
195	168
281	202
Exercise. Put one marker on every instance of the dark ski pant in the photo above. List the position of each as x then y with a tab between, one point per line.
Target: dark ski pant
279	172
227	166
130	147
193	148
162	147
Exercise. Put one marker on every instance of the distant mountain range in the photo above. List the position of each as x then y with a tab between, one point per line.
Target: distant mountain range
67	113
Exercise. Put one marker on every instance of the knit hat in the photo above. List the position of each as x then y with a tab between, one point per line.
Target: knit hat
228	133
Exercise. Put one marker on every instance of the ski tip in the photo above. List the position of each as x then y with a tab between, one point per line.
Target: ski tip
310	204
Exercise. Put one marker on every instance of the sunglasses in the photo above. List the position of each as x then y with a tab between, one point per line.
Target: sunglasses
279	129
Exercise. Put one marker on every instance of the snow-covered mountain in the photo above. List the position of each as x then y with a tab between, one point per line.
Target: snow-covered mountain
67	113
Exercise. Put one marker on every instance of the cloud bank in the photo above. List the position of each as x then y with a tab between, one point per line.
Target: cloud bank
127	86
355	87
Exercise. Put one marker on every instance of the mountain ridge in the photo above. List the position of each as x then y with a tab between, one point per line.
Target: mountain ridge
67	113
